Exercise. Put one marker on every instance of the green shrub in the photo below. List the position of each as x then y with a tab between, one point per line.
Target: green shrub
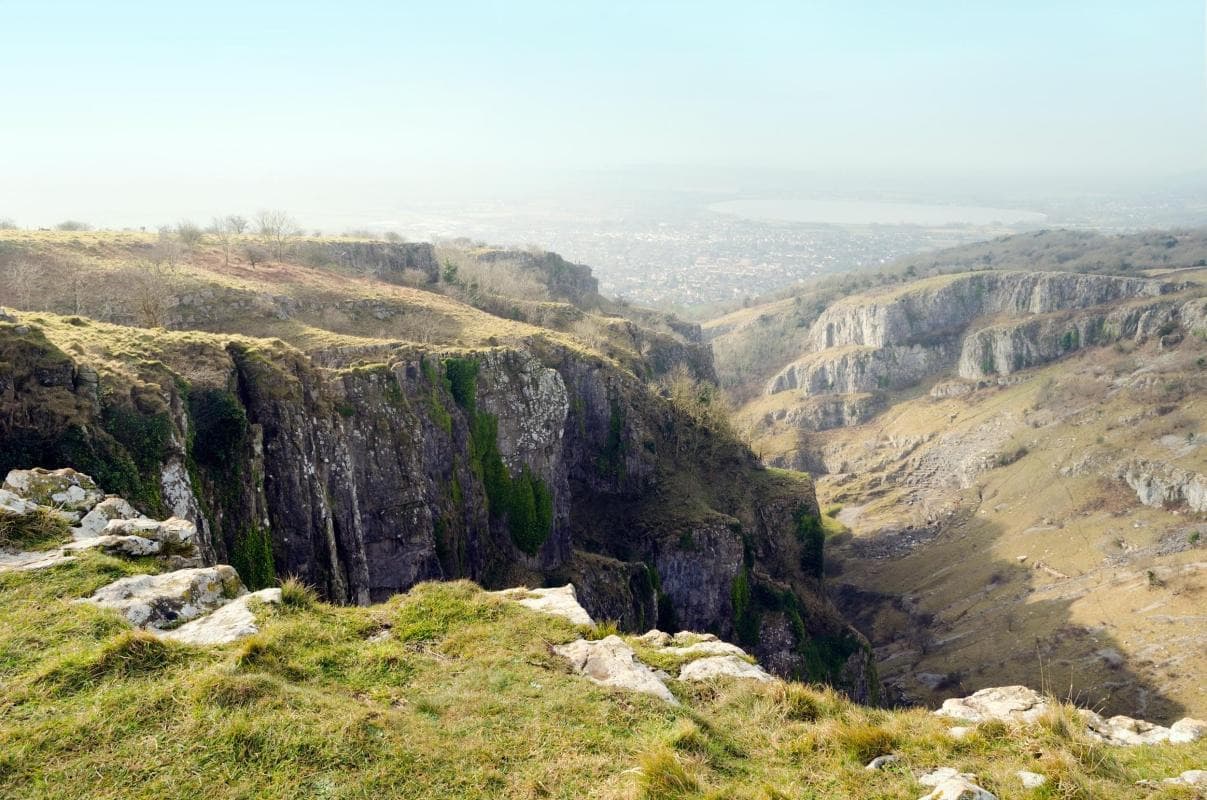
812	536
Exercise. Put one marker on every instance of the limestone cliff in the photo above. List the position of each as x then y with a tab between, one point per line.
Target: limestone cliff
975	325
532	463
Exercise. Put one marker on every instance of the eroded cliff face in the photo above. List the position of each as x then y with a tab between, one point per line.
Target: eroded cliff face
974	325
528	464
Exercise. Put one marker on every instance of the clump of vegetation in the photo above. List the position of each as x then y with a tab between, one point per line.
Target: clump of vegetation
525	501
38	530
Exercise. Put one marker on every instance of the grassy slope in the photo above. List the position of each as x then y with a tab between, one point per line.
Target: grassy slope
103	275
1130	589
464	699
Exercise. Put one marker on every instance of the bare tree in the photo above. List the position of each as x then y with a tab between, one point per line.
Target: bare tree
255	254
23	279
190	235
224	231
167	249
73	225
237	223
8	224
276	228
153	293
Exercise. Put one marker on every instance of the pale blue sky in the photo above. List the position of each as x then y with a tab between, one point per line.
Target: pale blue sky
104	100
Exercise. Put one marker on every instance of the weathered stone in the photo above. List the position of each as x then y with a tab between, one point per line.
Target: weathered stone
173	531
880	762
560	601
729	666
20	562
611	662
111	508
229	623
712	648
159	601
1191	777
119	545
938	776
1030	780
958	789
64	488
1011	703
655	638
1187	730
15	504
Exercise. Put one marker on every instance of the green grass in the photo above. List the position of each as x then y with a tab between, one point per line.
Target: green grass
37	530
462	699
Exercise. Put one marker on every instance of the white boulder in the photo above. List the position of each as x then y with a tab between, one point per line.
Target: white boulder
1030	780
229	623
958	789
118	545
65	488
610	662
159	601
20	562
727	666
1008	703
561	601
110	508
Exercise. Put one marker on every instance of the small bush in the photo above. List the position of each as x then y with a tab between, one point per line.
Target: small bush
602	630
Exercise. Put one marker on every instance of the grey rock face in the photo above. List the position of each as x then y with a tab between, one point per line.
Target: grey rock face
1160	484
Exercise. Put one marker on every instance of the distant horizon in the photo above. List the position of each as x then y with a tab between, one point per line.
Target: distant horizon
130	109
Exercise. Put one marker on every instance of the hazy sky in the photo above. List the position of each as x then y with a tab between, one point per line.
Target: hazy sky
111	110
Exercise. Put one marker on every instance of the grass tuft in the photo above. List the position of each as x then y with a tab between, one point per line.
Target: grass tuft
297	595
38	530
662	776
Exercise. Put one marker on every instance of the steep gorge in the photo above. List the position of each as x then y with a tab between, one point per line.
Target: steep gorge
533	462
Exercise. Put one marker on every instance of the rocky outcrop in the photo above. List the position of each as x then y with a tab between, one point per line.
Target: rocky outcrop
851	370
610	662
171	598
61	488
559	601
1022	705
1007	347
950	784
230	622
1160	485
728	666
941	308
976	325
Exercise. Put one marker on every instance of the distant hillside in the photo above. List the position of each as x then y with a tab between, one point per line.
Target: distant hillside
751	344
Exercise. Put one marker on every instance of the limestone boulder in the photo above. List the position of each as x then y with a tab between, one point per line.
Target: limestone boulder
726	666
21	562
174	531
111	508
133	546
958	789
63	488
561	601
15	504
1007	703
610	662
171	598
231	622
